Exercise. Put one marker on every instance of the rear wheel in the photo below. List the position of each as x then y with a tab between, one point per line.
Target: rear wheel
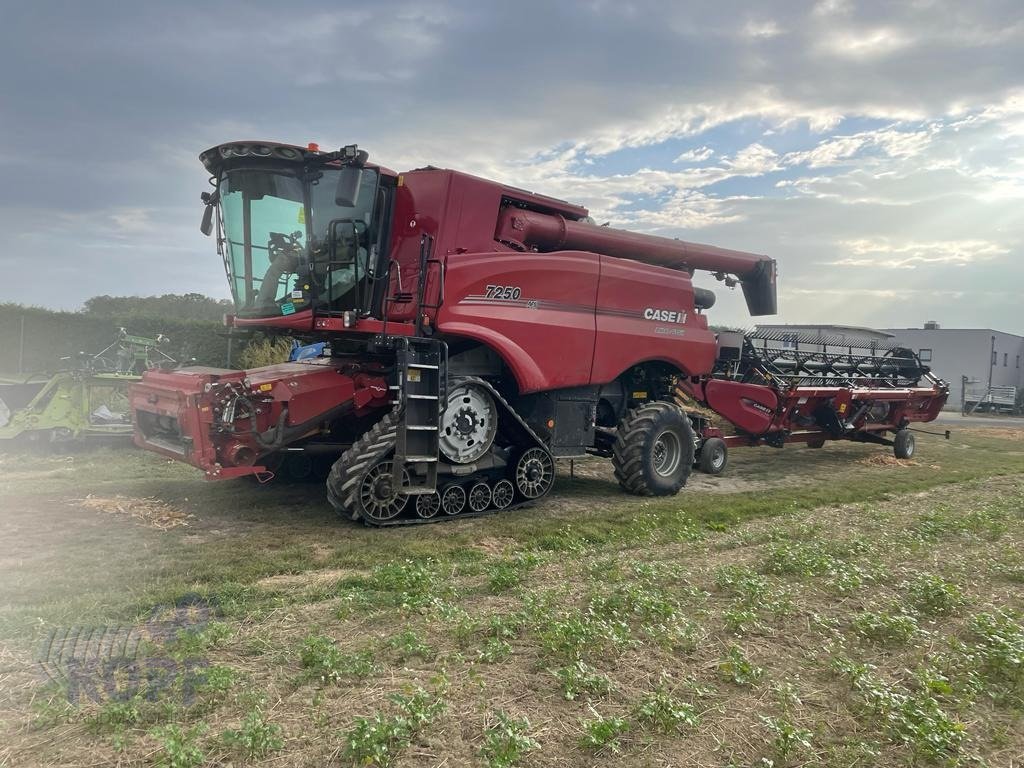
903	445
653	452
714	456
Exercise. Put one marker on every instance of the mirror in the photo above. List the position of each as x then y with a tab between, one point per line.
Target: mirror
206	226
348	186
210	200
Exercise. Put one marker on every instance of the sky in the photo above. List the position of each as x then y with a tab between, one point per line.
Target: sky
875	149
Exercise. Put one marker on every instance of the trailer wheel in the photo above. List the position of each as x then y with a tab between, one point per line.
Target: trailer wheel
653	452
714	456
903	445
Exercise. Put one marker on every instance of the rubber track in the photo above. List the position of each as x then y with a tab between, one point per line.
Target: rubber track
375	445
347	471
627	452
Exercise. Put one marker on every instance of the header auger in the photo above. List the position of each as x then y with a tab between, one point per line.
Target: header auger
477	332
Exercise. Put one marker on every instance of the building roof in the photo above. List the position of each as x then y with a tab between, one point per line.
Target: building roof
893	331
826	328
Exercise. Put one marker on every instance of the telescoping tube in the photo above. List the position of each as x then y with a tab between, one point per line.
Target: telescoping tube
551	232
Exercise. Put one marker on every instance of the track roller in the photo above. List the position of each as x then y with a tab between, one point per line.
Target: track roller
535	473
428	505
453	500
502	494
479	497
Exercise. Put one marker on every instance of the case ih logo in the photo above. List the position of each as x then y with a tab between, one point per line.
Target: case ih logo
664	315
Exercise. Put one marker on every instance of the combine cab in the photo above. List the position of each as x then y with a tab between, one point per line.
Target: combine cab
477	332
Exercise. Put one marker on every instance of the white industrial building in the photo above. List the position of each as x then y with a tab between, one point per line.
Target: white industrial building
990	362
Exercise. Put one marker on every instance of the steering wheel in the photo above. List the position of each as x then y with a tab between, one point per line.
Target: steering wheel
285	252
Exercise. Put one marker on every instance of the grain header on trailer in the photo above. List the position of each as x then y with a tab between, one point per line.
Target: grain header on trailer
476	333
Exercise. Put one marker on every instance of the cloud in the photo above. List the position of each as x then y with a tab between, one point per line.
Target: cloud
863	44
764	29
898	127
695	155
912	255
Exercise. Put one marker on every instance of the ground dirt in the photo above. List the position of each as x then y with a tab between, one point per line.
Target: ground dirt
808	607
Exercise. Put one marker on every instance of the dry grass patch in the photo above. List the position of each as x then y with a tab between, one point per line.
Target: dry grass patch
151	511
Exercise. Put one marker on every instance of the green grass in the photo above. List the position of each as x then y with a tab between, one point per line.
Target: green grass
885	627
603	733
663	712
380	738
849	614
507	741
580	679
736	667
323	660
179	747
256	738
273	530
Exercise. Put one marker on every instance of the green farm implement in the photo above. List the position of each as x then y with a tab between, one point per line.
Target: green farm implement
88	401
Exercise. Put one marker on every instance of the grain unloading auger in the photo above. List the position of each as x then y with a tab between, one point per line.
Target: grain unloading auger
478	332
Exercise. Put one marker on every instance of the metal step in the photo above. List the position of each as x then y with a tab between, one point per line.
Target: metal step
421	389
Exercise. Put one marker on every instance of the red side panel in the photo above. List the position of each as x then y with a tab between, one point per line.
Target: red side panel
749	406
535	310
646	313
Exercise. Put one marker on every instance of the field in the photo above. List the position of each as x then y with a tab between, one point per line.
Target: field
811	607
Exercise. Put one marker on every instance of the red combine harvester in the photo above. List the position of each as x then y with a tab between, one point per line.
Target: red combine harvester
476	333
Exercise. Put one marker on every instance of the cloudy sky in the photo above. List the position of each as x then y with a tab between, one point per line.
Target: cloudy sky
875	149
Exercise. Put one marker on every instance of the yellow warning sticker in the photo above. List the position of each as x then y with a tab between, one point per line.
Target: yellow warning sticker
266	387
302	215
414	375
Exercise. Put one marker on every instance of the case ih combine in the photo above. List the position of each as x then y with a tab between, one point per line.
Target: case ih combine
478	332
